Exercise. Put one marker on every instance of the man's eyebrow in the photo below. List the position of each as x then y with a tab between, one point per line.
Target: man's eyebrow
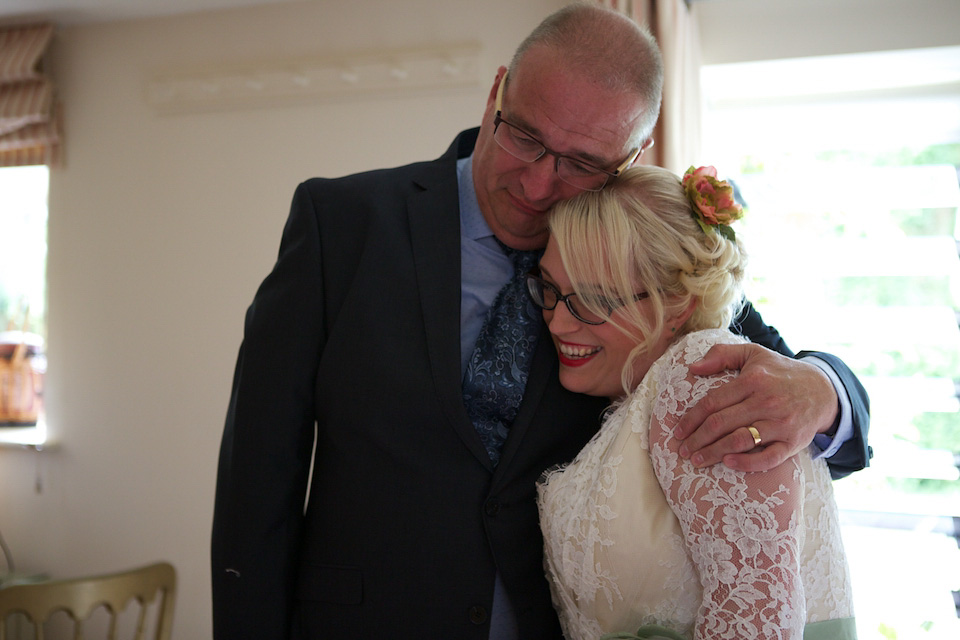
580	156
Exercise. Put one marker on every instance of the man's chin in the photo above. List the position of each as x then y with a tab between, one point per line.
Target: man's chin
528	242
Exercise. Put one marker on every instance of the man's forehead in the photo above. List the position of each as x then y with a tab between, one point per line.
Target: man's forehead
571	114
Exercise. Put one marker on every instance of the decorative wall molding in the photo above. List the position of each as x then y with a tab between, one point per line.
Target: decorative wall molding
276	83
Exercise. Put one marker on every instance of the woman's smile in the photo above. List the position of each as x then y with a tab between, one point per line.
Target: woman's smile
575	355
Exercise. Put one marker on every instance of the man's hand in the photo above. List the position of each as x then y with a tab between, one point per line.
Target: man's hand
787	401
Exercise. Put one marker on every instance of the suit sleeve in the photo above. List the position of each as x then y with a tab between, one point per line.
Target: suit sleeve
854	454
267	442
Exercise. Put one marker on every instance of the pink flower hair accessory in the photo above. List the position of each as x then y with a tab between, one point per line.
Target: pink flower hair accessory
714	207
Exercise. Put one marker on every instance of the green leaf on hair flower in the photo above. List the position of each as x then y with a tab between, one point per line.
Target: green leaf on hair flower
726	232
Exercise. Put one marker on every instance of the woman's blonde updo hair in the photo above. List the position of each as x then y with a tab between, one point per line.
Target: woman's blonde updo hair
639	234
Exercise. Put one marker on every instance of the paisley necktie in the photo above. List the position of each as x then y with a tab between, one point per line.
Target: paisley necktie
497	372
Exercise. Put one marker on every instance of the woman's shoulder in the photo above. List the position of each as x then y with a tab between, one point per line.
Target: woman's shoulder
671	370
691	347
697	343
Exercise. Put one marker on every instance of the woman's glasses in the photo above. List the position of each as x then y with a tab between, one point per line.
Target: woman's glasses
547	296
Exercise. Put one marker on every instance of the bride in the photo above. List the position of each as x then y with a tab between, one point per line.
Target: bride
638	281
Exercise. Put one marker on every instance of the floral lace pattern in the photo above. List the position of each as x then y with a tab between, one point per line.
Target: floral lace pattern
635	535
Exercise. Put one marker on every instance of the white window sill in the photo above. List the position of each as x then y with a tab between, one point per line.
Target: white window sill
31	437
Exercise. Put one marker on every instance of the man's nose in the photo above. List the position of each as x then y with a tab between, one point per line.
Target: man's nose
540	180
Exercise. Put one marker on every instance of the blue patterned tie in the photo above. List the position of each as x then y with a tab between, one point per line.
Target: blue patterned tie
497	372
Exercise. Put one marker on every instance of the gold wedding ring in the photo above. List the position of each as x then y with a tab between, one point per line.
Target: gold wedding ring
756	436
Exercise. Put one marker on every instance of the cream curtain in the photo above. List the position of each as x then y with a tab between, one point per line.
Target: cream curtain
29	130
673	23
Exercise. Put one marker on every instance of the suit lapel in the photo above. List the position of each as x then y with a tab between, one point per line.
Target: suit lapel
542	371
434	218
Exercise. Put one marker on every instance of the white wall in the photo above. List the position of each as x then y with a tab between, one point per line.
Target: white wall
161	228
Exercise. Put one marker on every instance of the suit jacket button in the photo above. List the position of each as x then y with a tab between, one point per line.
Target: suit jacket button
478	615
492	507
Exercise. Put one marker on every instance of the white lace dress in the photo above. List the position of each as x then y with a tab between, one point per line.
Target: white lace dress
635	535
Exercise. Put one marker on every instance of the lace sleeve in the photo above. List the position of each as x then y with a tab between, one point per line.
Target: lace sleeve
742	529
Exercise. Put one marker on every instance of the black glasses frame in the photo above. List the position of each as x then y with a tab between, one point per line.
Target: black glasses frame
534	280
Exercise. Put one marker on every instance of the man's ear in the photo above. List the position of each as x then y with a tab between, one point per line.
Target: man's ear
492	98
646	145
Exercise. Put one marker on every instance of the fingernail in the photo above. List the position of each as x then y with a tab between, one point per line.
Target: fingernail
684	451
697	460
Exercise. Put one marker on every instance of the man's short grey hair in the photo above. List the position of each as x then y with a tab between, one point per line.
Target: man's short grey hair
619	54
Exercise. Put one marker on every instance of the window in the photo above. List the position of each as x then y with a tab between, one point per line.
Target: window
23	259
849	167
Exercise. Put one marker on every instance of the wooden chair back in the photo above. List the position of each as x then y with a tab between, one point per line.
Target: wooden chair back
80	597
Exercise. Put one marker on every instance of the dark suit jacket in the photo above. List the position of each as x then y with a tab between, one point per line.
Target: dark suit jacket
354	339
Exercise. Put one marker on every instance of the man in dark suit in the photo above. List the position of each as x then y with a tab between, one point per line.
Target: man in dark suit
349	376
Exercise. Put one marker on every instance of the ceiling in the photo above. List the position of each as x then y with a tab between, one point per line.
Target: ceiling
71	12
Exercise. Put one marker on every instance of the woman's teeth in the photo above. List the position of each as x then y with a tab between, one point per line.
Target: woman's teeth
577	351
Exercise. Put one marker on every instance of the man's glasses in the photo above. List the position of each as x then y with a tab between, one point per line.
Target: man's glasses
523	146
546	296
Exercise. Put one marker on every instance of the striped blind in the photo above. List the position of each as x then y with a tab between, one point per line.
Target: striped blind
29	129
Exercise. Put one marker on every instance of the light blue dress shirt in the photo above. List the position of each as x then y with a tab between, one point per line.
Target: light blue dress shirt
484	269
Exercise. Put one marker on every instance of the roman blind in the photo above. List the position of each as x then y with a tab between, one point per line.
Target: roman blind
29	129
